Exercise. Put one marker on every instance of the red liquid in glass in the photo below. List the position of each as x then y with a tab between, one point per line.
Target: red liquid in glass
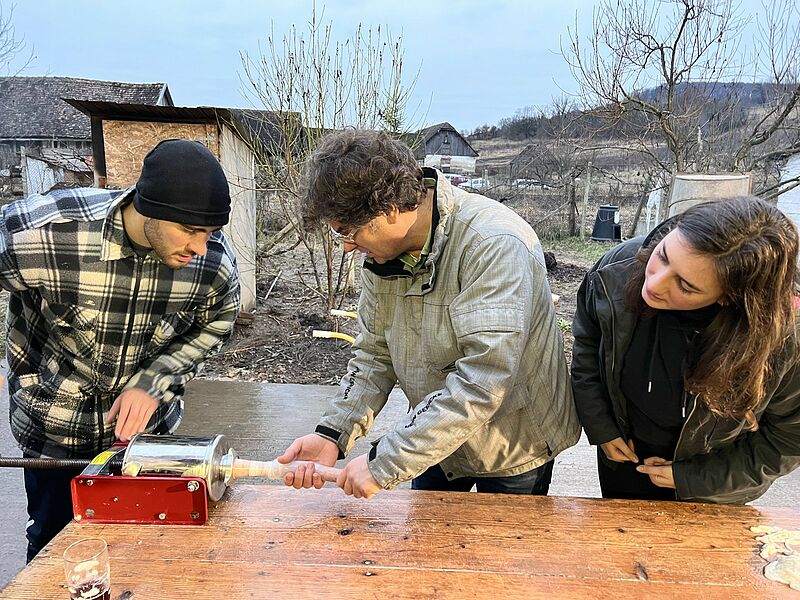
81	592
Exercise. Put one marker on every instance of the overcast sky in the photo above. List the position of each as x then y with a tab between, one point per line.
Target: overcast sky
478	61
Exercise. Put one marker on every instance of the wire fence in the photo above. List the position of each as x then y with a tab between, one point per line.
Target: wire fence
551	212
557	213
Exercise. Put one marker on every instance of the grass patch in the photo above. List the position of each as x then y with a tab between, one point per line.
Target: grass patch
575	246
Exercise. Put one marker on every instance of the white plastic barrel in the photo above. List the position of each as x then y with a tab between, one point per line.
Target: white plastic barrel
688	189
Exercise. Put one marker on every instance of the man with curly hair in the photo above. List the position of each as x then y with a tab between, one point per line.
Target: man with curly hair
456	308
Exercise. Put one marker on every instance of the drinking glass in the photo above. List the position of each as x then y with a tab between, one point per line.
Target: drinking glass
87	570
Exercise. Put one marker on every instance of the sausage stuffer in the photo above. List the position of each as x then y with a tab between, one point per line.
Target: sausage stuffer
160	478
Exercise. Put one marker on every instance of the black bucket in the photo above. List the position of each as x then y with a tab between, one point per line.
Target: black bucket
606	224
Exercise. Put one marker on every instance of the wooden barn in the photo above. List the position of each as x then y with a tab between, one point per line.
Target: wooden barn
444	148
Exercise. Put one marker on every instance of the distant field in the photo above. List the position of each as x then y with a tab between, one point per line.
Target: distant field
617	179
495	155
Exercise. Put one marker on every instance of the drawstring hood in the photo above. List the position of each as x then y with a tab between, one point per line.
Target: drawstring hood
653	358
654	371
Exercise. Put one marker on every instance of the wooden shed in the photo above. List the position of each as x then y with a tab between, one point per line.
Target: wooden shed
122	134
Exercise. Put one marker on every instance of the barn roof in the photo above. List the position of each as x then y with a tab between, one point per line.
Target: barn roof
33	107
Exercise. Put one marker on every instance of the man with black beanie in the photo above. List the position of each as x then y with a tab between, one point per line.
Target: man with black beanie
116	298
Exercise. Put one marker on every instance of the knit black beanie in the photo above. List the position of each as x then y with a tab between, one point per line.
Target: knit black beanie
183	182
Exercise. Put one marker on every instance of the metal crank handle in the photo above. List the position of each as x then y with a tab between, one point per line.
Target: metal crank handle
274	470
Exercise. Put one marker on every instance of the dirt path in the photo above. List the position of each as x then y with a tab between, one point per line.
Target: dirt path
278	347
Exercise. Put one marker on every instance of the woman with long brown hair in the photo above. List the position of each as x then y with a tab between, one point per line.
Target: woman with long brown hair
685	361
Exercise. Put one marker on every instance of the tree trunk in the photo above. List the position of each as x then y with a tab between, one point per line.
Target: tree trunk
642	201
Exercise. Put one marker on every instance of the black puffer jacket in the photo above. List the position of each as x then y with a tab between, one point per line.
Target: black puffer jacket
716	459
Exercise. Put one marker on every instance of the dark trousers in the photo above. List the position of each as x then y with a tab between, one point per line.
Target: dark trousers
535	482
49	505
623	481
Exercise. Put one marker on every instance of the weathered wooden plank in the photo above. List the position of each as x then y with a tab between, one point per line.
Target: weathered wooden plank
270	541
185	579
453	551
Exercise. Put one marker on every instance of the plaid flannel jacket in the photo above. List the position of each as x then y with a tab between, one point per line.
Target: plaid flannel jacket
88	317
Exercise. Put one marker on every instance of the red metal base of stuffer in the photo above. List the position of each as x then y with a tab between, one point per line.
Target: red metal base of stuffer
99	496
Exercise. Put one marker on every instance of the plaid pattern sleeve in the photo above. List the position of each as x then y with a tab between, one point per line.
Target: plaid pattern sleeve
88	317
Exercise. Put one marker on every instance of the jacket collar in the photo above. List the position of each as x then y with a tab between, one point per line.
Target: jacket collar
115	244
445	205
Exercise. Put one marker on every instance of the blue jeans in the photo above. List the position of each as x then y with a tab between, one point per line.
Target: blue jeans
535	482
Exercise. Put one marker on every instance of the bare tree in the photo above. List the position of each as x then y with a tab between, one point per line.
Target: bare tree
555	158
313	85
11	45
660	73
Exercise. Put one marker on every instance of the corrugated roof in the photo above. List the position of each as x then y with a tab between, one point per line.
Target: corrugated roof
134	111
32	107
68	161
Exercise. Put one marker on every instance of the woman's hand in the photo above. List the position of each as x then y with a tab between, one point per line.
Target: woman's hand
619	451
659	470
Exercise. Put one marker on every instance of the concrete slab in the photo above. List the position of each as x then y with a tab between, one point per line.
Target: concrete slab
260	420
12	499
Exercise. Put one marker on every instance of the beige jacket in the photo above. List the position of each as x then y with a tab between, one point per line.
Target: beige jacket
473	341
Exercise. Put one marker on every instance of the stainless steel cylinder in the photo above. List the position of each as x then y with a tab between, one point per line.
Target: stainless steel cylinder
209	458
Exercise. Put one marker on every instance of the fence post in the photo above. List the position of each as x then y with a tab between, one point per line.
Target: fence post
573	207
586	199
23	171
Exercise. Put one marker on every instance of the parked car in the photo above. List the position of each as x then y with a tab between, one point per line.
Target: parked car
455	179
479	183
529	184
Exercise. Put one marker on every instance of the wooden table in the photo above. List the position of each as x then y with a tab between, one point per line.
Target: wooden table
274	542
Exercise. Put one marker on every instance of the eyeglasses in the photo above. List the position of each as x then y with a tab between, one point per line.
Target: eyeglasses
344	238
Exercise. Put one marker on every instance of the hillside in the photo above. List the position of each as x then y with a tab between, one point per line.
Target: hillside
495	155
727	104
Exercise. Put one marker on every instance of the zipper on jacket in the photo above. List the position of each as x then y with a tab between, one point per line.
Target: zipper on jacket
686	420
100	423
132	317
686	397
611	311
621	422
